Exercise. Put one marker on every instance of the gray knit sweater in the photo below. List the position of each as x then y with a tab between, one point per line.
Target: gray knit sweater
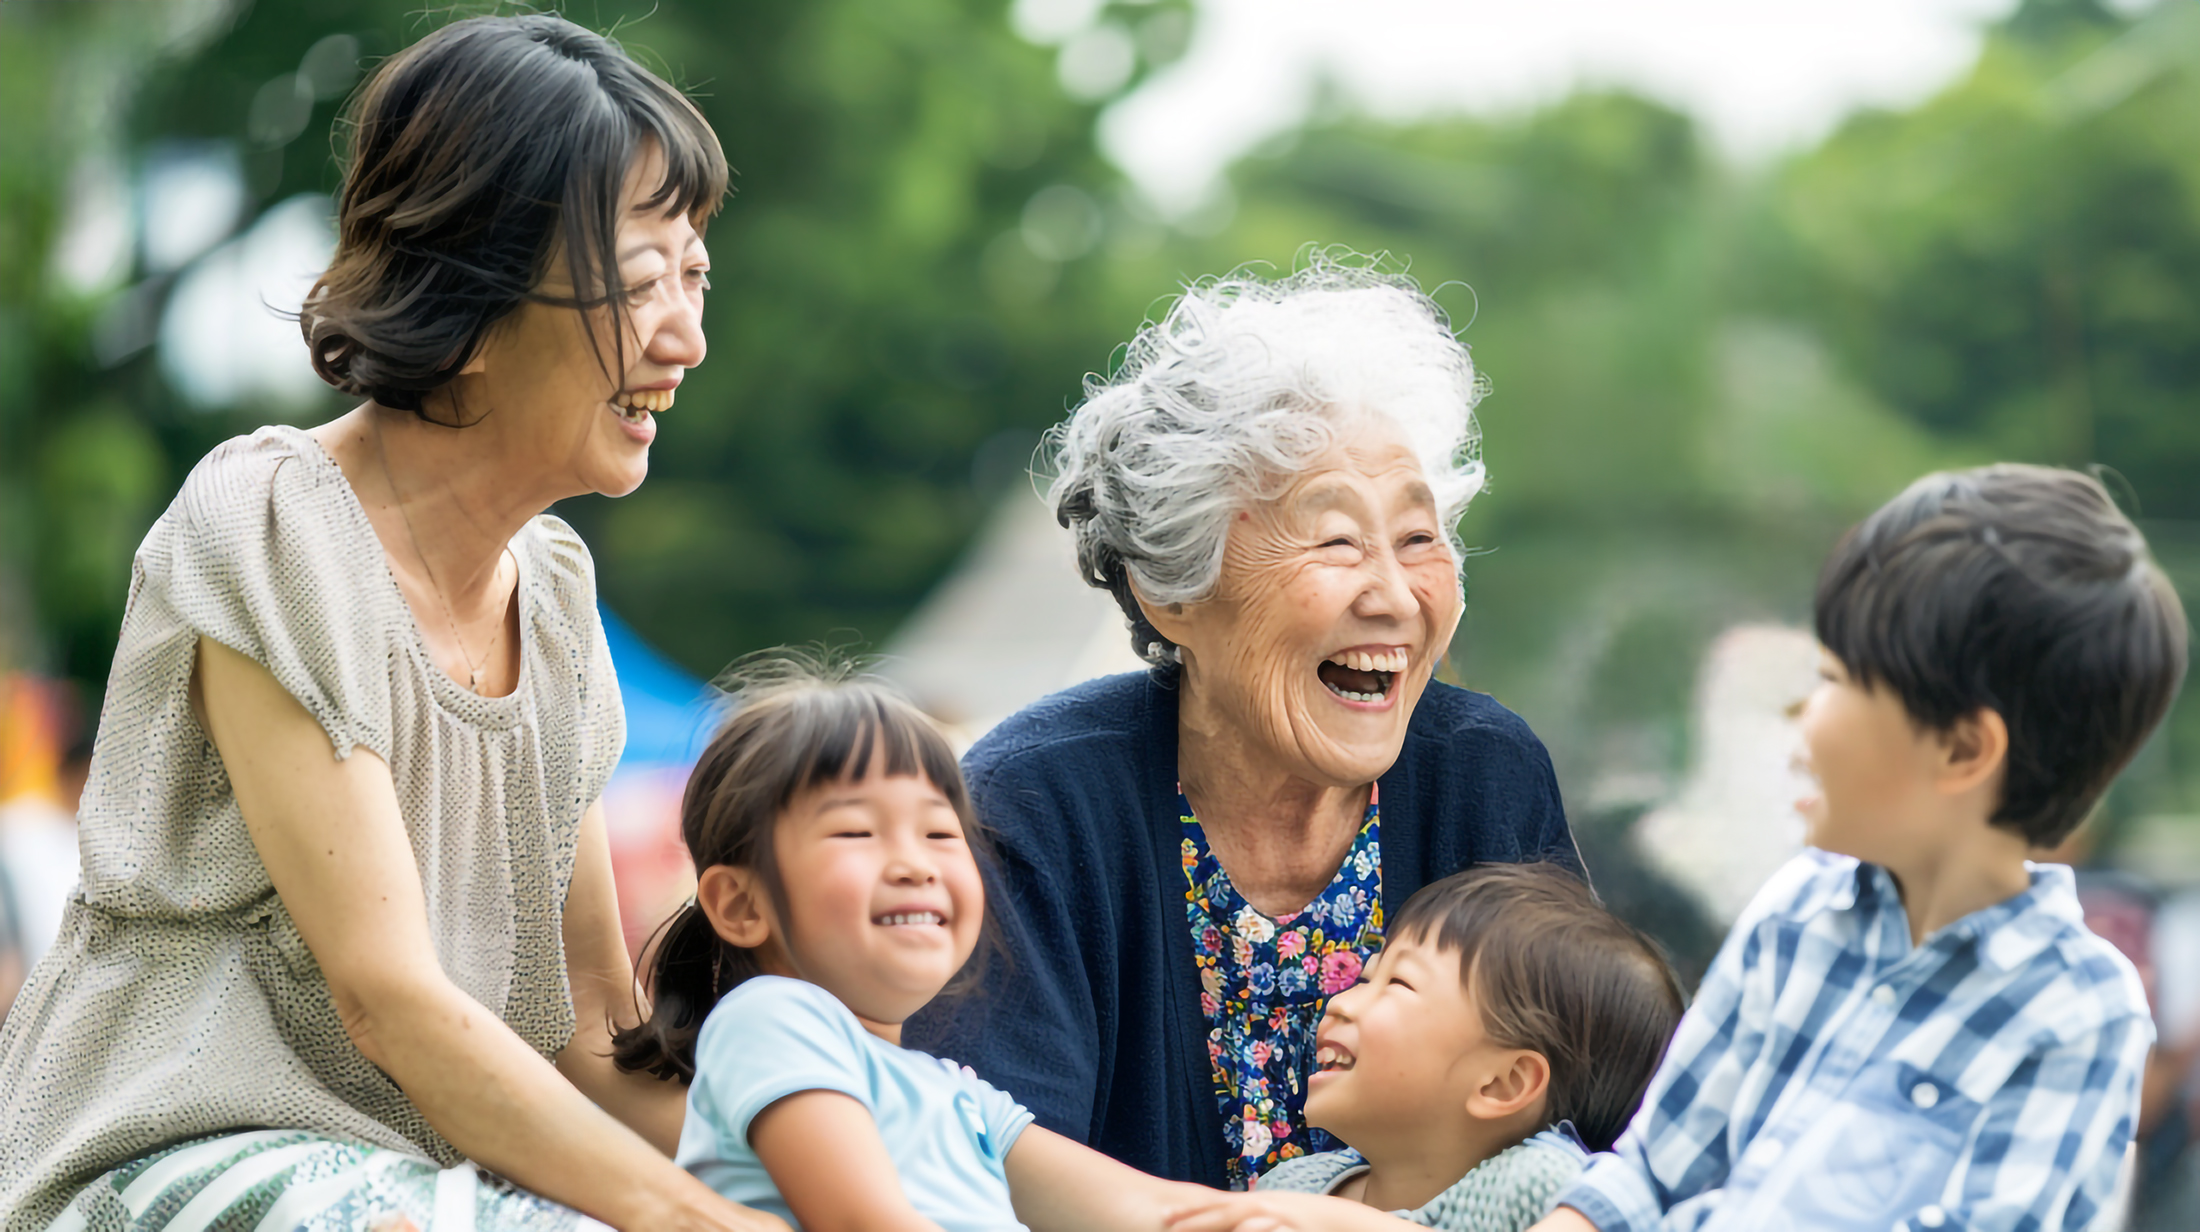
1507	1192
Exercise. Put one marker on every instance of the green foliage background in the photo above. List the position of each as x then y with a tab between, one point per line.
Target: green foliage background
1701	373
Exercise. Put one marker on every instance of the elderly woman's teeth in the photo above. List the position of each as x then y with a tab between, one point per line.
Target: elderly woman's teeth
1362	675
1371	660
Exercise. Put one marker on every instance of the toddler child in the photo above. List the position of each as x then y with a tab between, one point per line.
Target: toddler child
1508	1022
837	892
1910	1027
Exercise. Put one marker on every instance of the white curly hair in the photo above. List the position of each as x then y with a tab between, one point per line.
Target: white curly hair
1229	396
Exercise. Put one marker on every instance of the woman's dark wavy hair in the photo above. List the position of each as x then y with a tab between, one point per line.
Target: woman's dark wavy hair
799	720
476	157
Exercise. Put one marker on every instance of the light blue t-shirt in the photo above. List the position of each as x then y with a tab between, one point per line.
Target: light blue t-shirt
948	1132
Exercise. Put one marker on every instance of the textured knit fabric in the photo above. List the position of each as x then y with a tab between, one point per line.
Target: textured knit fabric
1093	1018
1263	983
1507	1192
948	1133
288	1180
1832	1076
180	1001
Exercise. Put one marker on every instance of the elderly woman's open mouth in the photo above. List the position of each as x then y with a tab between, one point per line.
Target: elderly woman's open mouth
1363	674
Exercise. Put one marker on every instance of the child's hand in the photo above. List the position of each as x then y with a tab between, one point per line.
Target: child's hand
1281	1212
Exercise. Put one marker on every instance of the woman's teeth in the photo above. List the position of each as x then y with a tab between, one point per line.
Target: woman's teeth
1362	675
1333	1058
636	404
1371	660
912	917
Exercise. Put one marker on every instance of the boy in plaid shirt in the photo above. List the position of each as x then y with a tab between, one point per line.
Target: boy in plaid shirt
1910	1027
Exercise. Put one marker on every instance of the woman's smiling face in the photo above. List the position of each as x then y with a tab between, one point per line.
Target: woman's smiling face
1334	603
544	376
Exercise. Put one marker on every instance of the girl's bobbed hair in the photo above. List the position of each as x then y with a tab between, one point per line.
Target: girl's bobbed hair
475	158
798	720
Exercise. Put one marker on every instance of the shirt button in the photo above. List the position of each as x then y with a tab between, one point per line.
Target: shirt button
1932	1216
1883	995
1925	1095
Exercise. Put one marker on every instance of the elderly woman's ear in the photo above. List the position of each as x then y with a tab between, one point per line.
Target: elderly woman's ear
1171	620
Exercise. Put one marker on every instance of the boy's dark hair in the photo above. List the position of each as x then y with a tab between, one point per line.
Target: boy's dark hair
799	721
1552	971
2023	590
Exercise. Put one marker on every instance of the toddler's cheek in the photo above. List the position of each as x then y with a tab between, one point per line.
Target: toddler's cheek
1328	1107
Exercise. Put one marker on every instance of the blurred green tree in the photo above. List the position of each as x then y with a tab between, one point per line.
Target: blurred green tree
81	474
2018	260
1699	375
906	272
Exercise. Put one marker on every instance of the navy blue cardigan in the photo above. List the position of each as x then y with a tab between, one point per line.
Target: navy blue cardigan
1093	1020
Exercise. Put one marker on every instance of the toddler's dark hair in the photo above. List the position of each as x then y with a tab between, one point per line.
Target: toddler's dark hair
1552	971
799	720
2024	590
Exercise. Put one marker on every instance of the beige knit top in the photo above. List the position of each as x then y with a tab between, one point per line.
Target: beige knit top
179	1000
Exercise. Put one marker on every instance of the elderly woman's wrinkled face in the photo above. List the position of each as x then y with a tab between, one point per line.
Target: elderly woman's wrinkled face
1334	603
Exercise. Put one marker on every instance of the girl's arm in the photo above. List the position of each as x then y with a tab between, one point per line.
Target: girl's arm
1059	1185
824	1153
605	1000
1284	1212
335	846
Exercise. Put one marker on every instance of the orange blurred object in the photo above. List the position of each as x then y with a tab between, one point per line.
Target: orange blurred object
34	715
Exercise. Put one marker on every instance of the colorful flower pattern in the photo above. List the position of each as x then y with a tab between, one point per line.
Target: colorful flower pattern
1263	983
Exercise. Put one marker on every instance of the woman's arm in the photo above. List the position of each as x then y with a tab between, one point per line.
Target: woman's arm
824	1153
1063	1186
335	846
605	999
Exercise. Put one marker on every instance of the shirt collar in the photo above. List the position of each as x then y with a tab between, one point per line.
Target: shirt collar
2010	933
2019	928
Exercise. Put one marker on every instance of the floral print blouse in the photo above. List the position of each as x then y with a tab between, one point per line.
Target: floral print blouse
1263	983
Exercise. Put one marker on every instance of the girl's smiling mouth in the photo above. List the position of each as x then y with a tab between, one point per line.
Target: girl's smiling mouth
911	919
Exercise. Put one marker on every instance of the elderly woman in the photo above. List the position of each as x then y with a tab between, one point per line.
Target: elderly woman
347	923
1194	858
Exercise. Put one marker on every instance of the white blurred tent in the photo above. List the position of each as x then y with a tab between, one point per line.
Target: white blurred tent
1734	822
1010	624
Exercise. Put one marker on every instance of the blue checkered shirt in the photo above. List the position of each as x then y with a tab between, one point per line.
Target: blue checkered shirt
1831	1076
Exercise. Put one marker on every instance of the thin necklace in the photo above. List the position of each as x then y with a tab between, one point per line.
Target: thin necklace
474	670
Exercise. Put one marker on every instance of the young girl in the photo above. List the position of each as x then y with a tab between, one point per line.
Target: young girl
837	892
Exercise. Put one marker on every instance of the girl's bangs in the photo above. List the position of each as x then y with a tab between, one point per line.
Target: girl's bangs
860	732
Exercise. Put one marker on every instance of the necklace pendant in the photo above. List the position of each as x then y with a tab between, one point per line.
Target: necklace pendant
475	682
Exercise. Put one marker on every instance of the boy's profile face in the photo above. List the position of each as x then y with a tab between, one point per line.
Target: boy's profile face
1402	1050
1875	768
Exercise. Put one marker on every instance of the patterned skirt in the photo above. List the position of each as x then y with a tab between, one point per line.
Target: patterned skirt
294	1181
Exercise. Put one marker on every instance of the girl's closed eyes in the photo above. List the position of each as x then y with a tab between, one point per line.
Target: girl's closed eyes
837	892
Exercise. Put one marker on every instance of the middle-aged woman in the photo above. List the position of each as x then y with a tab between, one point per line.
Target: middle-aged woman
1193	859
303	990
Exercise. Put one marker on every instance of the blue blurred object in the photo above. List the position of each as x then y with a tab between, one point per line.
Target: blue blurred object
670	714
